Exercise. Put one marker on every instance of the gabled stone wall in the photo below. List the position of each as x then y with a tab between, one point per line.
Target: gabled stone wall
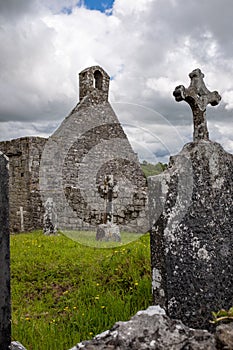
68	169
90	144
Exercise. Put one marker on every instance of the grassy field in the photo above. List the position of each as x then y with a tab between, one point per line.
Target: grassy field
64	292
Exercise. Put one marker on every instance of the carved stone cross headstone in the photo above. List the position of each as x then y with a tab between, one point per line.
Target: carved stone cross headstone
50	217
108	231
21	212
110	192
191	216
5	302
198	97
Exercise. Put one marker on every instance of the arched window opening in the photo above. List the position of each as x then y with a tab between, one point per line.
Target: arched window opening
98	80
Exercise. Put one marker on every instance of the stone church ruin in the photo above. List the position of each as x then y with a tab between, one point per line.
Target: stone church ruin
68	169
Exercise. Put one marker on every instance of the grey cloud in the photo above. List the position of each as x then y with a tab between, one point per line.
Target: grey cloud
41	55
15	8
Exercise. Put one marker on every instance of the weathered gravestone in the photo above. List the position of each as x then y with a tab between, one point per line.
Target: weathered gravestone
191	217
108	231
50	217
5	304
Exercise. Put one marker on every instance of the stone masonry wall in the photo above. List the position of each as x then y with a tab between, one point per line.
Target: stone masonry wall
90	144
69	168
24	156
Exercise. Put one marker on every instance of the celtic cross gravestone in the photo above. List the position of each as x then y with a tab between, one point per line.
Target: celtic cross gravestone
198	97
191	216
108	231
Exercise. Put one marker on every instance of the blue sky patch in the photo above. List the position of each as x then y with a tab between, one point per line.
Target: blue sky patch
100	5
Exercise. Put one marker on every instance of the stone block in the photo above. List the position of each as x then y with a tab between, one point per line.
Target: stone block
108	232
191	218
5	301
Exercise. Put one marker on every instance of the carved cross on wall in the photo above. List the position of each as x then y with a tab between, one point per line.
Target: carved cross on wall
21	212
198	97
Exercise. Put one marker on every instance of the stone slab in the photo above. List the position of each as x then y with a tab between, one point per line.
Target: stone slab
191	217
5	301
108	232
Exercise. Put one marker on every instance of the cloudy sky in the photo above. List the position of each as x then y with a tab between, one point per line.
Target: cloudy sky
148	47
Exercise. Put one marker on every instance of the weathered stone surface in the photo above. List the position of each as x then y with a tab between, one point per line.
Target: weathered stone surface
15	345
150	329
5	299
191	217
50	218
108	232
26	210
90	144
198	97
224	336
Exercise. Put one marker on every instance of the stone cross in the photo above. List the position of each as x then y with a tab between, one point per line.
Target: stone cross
21	212
109	193
50	217
108	231
5	301
198	97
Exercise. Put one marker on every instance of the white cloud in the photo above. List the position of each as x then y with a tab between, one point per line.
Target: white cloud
147	46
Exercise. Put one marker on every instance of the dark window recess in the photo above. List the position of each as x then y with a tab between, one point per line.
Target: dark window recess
22	174
98	80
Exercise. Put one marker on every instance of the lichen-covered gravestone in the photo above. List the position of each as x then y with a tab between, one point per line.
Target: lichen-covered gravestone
191	216
5	303
108	231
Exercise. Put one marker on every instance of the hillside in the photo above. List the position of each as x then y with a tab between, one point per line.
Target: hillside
152	169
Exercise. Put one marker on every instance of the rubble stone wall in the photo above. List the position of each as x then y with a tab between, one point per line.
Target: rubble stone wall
68	169
24	158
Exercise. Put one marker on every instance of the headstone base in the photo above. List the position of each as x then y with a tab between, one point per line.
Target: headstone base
49	228
108	232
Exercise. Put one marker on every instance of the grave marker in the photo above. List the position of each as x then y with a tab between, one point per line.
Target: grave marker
50	217
198	97
191	216
21	212
108	231
5	302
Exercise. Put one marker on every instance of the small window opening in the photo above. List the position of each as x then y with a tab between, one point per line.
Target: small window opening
98	80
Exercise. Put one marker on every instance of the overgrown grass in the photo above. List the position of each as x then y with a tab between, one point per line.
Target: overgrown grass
64	292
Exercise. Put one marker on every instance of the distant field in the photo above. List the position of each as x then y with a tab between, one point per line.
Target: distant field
64	292
152	169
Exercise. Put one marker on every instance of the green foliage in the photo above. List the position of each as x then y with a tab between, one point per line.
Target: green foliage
152	169
222	315
64	292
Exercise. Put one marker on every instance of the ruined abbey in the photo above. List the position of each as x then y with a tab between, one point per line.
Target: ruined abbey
68	170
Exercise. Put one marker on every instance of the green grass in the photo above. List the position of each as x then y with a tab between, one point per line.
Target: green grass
64	292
